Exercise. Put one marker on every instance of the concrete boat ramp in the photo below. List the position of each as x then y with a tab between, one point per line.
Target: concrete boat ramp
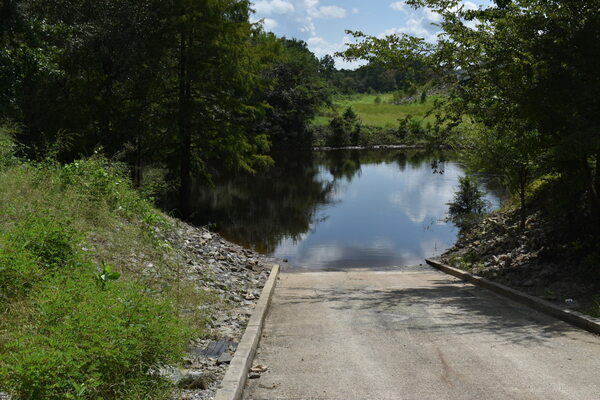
415	334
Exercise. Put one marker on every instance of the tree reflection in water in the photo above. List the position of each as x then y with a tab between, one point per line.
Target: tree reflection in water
283	203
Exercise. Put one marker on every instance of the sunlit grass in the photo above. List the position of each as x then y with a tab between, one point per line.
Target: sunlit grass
383	115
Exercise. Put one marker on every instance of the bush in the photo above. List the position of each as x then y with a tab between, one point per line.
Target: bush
468	204
85	342
34	250
345	130
8	148
411	131
102	182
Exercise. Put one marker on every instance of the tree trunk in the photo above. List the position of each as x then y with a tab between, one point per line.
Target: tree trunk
522	211
595	195
185	134
593	178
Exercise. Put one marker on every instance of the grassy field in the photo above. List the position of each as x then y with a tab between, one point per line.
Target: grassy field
383	115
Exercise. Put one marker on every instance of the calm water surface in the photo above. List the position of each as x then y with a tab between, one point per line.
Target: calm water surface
341	209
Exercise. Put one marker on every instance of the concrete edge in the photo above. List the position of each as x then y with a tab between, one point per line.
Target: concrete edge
573	317
233	383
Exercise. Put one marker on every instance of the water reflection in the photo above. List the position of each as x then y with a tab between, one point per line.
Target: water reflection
339	209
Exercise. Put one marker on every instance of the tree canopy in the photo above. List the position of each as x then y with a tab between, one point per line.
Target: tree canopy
190	85
524	85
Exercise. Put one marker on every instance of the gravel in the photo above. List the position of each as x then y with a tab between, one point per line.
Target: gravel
233	273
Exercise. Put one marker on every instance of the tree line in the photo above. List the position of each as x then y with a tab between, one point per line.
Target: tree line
374	77
193	86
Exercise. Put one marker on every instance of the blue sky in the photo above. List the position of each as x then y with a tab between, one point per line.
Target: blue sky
321	23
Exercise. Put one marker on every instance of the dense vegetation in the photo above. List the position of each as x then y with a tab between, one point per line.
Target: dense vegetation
191	86
82	318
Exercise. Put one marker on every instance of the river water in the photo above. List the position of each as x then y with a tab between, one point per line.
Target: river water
341	209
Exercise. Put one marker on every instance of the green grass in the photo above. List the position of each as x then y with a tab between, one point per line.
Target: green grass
81	317
382	115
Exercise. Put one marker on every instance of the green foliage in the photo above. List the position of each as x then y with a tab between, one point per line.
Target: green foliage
295	93
524	71
345	130
8	147
411	130
79	320
39	247
172	83
84	342
468	204
100	181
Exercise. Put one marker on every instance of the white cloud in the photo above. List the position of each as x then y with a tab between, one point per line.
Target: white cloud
308	26
415	27
322	47
432	16
327	12
398	6
274	7
355	11
269	24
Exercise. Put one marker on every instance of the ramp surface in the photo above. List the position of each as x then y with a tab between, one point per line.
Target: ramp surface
415	335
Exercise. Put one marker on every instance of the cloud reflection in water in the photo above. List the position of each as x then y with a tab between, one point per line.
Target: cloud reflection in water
389	215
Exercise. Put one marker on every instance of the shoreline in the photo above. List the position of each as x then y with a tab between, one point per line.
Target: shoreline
381	147
235	276
532	261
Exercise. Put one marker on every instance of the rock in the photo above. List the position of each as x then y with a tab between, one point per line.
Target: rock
570	303
225	358
234	277
196	380
259	368
253	375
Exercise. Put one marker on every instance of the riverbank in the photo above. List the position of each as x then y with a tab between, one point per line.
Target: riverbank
383	147
234	276
544	259
100	290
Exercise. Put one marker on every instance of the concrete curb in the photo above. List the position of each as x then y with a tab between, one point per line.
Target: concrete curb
233	383
573	317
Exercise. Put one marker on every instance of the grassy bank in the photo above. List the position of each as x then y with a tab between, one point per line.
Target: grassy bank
92	301
373	120
377	113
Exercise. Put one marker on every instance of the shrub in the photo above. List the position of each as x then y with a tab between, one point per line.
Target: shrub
8	148
468	204
85	342
102	182
34	250
345	130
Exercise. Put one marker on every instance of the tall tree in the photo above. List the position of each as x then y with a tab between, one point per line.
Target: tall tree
296	91
216	80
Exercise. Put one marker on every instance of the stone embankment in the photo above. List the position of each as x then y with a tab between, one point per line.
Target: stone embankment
236	276
536	260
